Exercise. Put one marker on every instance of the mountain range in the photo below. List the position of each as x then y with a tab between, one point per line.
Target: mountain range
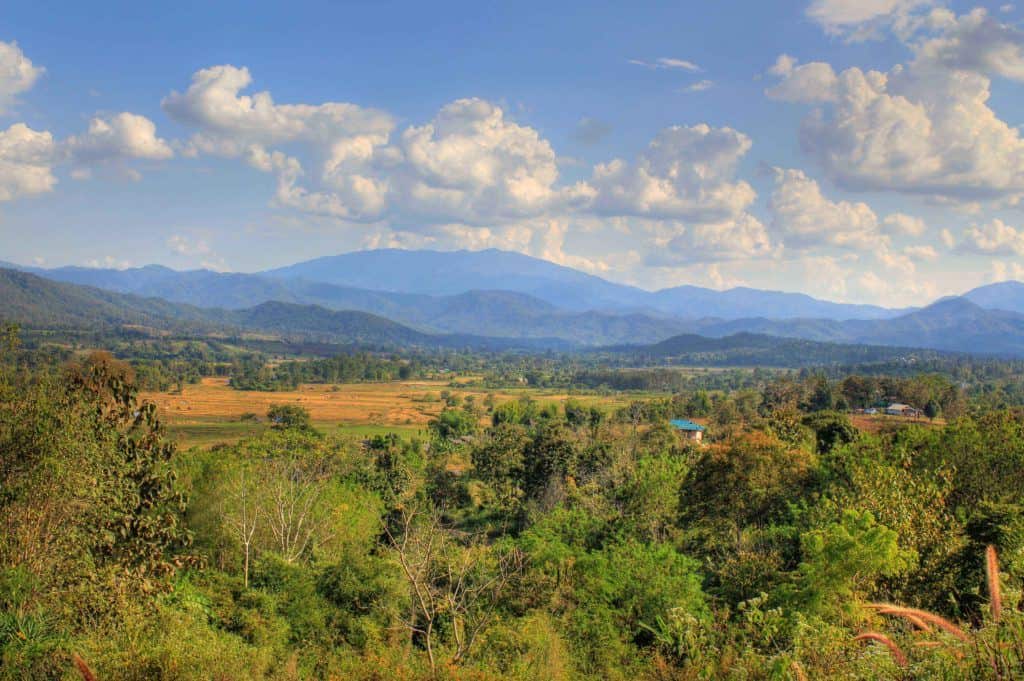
37	303
503	295
52	307
751	349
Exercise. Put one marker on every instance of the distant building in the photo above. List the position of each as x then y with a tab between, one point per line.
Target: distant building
689	429
899	409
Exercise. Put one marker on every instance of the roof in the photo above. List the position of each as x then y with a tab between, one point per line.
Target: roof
898	405
683	424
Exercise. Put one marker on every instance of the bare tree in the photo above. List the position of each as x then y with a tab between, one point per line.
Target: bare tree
452	576
295	507
242	517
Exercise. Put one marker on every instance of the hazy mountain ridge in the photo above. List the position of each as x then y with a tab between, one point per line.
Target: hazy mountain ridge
39	303
751	349
1004	295
565	304
953	324
475	312
487	293
448	272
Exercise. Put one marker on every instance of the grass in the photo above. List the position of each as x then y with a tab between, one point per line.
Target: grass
207	433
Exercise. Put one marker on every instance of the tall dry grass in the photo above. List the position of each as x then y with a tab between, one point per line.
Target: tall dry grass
995	594
83	668
897	654
922	616
926	622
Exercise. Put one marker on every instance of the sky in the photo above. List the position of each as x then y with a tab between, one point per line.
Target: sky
855	150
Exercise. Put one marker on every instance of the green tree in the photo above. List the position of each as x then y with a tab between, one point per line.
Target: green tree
89	494
842	560
550	458
699	404
499	460
831	428
286	416
451	424
821	397
752	480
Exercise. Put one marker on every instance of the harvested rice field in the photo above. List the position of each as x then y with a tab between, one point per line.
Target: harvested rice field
212	411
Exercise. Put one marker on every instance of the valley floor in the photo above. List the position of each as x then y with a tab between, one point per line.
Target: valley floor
212	412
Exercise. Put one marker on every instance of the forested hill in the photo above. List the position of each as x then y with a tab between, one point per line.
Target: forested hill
951	324
40	303
507	295
477	312
751	349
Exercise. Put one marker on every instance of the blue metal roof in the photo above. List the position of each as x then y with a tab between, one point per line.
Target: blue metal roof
683	424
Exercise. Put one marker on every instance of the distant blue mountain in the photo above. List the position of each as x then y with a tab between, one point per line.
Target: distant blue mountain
506	314
451	272
481	319
1006	295
953	324
694	302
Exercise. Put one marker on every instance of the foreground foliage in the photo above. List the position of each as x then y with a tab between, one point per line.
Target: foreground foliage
519	542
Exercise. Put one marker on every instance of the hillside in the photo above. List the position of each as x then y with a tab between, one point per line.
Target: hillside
750	349
562	305
694	302
476	312
38	303
1005	295
454	272
319	324
953	324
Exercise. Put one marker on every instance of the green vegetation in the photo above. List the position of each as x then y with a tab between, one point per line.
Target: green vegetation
521	540
349	368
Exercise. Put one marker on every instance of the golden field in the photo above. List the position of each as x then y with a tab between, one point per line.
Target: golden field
211	411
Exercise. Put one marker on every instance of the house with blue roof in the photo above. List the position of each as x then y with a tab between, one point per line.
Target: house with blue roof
688	429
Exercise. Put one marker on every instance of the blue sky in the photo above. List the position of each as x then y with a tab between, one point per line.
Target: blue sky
860	150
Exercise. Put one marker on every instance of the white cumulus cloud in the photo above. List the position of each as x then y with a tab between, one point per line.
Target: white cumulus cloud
858	20
122	136
185	245
27	158
992	238
925	127
813	82
901	223
803	217
739	238
17	73
685	173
